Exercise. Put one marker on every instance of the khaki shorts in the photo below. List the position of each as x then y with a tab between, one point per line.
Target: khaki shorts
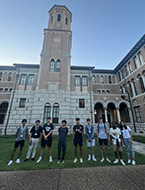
116	148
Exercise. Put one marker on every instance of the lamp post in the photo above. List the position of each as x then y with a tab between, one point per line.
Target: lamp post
90	91
9	112
129	100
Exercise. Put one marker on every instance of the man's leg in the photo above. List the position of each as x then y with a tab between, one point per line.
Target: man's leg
30	150
81	152
106	150
59	149
76	152
64	150
42	151
13	153
20	152
36	142
101	150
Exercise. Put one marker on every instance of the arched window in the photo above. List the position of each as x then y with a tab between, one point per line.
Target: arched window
52	65
101	79
9	76
58	65
66	20
130	89
1	75
110	79
134	86
52	19
47	112
141	84
55	116
121	89
59	17
3	111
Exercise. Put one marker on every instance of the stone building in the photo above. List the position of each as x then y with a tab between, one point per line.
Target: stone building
58	89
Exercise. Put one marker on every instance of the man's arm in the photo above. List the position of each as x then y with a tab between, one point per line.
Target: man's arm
49	133
30	137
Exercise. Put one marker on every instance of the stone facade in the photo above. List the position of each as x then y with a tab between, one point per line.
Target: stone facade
57	89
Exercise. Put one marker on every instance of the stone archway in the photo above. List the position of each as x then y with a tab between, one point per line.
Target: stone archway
98	112
124	113
3	111
111	112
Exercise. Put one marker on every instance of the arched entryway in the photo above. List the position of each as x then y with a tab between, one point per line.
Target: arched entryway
3	111
112	113
124	113
98	112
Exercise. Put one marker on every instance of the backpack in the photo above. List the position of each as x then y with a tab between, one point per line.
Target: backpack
104	126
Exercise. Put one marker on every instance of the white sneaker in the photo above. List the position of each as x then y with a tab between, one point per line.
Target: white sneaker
40	158
108	160
116	161
122	162
94	159
133	162
10	162
89	158
129	161
58	161
75	160
18	161
63	161
102	160
81	160
50	159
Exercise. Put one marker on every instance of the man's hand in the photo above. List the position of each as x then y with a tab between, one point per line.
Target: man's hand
29	141
45	137
131	141
90	140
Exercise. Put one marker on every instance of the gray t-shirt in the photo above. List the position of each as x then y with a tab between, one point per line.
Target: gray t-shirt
63	133
21	132
102	131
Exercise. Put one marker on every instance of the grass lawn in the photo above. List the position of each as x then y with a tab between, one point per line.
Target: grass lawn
7	143
139	138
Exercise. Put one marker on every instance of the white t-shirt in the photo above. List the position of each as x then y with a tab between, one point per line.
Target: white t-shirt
115	133
126	133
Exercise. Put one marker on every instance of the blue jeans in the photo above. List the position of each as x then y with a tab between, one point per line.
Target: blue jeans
129	147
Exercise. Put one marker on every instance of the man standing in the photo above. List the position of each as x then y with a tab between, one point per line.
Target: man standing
102	135
47	139
78	130
89	130
21	134
34	139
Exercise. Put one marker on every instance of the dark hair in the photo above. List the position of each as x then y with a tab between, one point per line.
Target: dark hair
88	119
64	121
100	118
77	119
121	127
114	124
24	120
48	117
38	121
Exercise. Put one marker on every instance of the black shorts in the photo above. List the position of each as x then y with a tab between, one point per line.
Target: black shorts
78	141
19	143
103	141
47	142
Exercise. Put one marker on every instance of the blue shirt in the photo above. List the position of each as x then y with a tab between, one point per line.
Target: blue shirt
102	131
89	130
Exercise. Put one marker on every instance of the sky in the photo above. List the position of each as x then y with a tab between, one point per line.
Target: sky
103	31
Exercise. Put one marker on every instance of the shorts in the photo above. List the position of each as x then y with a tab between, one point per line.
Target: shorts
90	144
116	148
47	142
103	141
19	143
78	141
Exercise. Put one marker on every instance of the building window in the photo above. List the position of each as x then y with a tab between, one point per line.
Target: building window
1	75
126	70
47	112
130	88
9	76
121	89
134	86
130	68
107	91
55	113
10	89
1	89
142	84
138	114
140	58
23	79
58	65
135	62
77	81
122	73
52	65
101	79
52	19
30	79
66	20
22	102
110	80
59	17
84	81
81	103
119	76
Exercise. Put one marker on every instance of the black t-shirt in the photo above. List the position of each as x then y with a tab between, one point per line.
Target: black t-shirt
76	128
63	133
47	128
36	131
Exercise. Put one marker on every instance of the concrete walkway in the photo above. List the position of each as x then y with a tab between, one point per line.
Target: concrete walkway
104	178
139	147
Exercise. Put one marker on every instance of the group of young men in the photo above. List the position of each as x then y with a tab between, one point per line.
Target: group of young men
44	135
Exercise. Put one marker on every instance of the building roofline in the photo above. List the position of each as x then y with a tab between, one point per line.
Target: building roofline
7	67
60	6
21	65
103	71
73	67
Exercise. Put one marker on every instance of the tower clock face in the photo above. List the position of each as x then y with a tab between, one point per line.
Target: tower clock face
57	39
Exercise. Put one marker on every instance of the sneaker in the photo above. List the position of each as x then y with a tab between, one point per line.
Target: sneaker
89	158
133	162
102	160
63	161
33	159
26	160
129	161
122	162
10	162
94	159
58	161
81	160
40	158
50	159
116	161
18	161
75	160
108	160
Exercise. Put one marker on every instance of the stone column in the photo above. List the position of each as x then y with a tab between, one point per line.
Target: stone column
106	118
130	115
118	114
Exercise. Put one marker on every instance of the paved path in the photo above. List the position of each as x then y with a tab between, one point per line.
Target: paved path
104	178
139	147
